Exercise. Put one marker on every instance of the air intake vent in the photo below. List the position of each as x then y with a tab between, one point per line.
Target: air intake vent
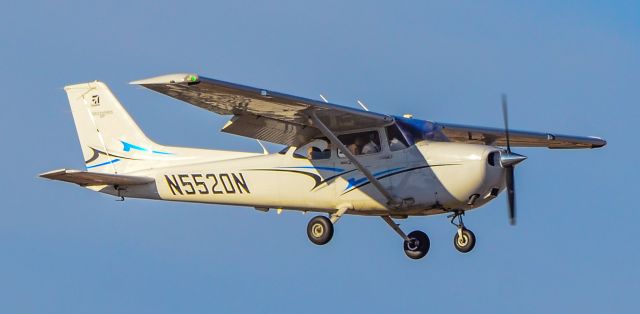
491	159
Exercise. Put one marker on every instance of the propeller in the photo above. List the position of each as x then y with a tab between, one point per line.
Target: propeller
508	160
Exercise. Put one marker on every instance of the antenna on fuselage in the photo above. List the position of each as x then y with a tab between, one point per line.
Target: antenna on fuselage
358	101
362	105
264	149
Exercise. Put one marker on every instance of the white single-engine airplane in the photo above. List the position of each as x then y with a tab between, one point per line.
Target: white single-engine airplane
338	160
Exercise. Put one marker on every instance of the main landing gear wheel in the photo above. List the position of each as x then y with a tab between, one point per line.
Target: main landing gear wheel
418	245
320	230
464	240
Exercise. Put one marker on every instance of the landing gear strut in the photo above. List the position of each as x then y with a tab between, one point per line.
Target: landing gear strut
416	244
464	240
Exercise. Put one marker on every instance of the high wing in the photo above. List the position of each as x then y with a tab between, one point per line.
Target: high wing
262	114
497	137
84	178
284	119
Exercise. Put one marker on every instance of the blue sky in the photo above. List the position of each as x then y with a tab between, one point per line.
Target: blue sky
568	67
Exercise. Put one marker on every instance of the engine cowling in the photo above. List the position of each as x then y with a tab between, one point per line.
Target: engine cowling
466	175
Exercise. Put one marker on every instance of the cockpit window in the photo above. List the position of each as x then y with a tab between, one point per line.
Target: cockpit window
318	148
361	143
397	140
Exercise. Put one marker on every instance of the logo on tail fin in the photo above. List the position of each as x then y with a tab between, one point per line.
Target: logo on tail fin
95	101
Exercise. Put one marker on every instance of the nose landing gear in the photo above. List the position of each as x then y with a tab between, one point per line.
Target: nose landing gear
464	240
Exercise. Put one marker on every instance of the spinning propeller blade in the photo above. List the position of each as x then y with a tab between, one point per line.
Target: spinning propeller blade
505	118
508	161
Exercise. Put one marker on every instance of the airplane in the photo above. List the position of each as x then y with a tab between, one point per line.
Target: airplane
337	160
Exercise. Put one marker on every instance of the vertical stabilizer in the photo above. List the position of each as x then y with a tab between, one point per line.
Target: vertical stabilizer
108	135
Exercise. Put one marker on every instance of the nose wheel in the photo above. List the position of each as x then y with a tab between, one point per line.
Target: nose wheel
464	240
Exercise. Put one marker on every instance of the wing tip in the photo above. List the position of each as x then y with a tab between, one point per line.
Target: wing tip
176	78
55	173
600	142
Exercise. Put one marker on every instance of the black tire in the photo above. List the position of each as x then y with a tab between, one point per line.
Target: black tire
419	247
466	243
320	230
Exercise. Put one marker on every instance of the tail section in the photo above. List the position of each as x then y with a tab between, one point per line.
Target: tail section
111	141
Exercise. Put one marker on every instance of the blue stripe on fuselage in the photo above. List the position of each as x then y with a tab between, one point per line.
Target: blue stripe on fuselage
353	182
128	147
316	168
104	163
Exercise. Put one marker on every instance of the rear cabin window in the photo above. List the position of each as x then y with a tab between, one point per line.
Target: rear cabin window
318	148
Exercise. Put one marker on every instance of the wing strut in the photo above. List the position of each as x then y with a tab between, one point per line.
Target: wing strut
391	200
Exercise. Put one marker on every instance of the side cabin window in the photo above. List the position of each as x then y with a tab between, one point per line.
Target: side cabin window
397	140
318	148
361	143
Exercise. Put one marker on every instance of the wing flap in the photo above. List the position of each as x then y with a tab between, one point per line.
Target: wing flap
270	130
85	178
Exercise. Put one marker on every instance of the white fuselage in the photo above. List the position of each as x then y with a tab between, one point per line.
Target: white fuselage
435	176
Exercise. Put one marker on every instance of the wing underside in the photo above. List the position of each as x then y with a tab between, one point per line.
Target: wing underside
260	113
285	119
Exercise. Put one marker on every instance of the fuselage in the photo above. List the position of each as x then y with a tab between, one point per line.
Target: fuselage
434	176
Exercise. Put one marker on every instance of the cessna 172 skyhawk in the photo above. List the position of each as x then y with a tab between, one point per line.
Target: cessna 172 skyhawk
338	160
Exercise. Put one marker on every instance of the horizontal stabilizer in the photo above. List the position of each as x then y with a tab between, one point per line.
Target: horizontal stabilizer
85	178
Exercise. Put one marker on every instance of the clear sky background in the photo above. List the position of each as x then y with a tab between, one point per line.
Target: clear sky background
569	67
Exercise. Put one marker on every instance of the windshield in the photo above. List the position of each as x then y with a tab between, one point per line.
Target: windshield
417	130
